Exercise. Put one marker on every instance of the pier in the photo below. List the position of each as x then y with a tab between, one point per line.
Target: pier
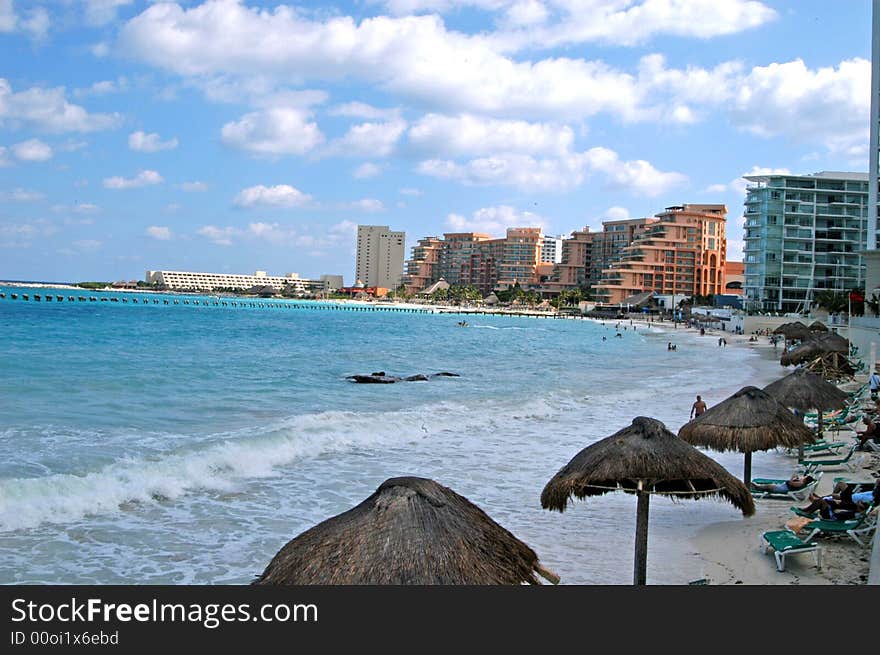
226	302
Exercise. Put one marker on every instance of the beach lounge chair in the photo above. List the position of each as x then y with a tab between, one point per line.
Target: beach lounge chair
784	543
811	464
794	494
858	528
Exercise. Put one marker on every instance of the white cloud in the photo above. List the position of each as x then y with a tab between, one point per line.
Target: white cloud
829	105
281	195
419	58
86	245
220	236
564	172
368	139
32	150
617	214
367	170
408	191
369	205
275	131
35	22
453	136
193	187
101	12
739	184
143	178
4	161
159	232
104	87
47	109
494	220
21	195
363	110
142	142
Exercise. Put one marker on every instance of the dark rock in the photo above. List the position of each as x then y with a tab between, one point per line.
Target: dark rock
378	373
421	377
373	379
446	374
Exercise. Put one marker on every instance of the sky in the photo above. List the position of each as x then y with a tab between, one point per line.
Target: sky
237	135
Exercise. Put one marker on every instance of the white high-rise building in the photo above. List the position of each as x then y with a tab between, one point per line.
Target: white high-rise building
380	254
551	249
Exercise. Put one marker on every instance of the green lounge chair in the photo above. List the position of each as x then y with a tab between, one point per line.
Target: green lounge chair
794	494
823	448
812	464
784	543
857	528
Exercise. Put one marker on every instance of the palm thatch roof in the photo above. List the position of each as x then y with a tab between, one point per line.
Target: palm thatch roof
748	421
817	345
646	456
804	391
411	531
818	326
796	330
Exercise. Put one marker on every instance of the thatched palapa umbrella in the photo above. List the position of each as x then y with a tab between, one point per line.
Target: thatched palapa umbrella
411	531
816	346
748	421
796	330
803	391
643	459
818	326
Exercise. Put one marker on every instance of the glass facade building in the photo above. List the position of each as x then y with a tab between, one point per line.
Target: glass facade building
803	235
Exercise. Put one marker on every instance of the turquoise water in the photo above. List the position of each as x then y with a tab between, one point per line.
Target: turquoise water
154	443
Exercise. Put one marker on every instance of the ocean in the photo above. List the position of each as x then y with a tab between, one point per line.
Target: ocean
162	443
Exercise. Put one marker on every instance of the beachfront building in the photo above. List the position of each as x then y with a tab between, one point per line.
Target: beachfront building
734	278
572	271
420	269
332	282
551	249
474	258
608	246
682	251
380	255
194	281
804	234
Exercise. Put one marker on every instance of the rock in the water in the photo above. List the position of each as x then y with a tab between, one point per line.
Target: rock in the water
421	377
446	374
378	373
373	379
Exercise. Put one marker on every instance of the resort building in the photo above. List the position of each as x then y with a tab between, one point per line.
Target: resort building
681	251
191	281
473	258
380	255
551	250
572	271
332	282
804	234
420	269
734	278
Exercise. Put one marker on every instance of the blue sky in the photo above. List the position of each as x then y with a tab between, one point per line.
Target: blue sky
235	135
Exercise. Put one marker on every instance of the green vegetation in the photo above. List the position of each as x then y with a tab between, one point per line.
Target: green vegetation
92	285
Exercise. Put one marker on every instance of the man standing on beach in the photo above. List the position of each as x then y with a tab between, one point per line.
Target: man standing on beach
874	380
698	408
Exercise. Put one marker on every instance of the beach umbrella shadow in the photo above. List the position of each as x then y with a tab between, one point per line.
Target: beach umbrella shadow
411	531
643	459
748	421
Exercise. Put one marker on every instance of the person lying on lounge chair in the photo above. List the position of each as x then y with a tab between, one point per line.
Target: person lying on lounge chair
794	483
871	431
843	504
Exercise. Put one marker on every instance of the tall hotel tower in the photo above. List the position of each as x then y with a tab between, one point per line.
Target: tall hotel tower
379	256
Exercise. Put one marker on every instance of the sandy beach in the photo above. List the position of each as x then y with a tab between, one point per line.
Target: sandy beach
732	551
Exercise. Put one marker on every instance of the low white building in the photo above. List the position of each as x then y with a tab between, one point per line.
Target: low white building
194	281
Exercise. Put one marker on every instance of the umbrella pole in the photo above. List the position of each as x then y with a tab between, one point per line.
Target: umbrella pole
747	470
641	561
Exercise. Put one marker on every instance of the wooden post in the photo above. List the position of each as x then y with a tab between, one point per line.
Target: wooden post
747	470
641	559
